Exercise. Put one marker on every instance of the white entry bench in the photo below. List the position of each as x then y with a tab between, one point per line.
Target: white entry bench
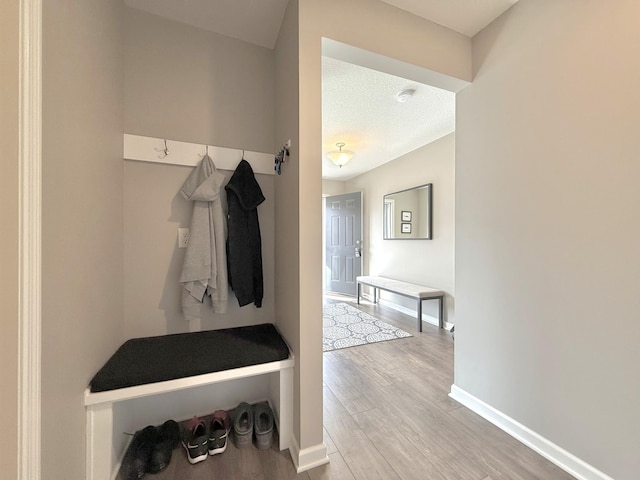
125	395
406	289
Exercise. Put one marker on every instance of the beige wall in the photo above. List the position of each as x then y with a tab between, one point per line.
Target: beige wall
332	187
188	84
378	27
426	262
70	74
9	237
287	263
154	209
374	26
526	211
82	217
547	226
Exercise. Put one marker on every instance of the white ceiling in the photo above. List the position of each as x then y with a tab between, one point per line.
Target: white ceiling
359	108
358	105
465	16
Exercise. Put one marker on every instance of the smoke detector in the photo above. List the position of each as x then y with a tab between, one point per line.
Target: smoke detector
405	95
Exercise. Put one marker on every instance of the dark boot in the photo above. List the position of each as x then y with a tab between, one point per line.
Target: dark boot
136	460
168	439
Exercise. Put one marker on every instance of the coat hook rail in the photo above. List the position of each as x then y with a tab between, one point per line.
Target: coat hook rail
172	152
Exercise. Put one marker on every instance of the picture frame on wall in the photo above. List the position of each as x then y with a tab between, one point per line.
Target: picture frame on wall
406	215
405	228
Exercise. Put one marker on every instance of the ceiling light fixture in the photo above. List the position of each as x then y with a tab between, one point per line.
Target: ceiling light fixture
405	95
340	157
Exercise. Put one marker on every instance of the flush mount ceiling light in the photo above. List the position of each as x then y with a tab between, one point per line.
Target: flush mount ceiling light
340	157
405	95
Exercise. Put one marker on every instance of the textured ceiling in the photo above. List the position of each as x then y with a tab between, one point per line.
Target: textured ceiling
359	108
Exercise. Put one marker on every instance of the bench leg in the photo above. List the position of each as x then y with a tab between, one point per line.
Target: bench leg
441	312
375	295
285	407
420	315
100	457
358	294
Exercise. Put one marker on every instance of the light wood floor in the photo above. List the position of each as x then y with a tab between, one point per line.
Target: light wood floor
387	416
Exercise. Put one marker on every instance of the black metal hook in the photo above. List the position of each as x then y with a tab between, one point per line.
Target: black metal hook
280	158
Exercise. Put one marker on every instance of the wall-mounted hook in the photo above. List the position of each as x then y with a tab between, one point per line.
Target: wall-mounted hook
164	150
280	157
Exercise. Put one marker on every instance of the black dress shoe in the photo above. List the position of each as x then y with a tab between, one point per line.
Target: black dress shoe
167	440
136	460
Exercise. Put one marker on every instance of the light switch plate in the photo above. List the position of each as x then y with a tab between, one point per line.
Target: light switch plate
183	237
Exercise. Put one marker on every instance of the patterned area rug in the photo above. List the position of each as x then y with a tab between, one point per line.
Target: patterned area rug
345	326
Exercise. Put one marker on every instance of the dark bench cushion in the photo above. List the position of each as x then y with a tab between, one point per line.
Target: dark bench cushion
156	359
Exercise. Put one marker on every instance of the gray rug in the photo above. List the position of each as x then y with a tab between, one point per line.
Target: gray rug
345	326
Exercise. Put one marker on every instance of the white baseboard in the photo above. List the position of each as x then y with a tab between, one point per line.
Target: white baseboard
408	311
307	458
549	450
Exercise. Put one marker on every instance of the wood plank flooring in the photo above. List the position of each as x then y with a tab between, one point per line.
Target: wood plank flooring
387	416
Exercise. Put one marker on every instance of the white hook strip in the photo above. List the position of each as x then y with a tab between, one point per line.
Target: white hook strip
145	149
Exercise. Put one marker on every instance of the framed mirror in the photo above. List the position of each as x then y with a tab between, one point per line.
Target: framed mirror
407	215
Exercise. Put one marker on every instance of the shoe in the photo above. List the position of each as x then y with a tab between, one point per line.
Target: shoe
263	425
136	460
218	432
243	425
167	440
196	440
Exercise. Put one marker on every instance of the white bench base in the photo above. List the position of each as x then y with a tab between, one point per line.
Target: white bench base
111	413
406	289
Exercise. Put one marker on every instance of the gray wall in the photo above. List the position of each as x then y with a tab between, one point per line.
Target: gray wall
426	262
82	191
187	84
547	226
9	22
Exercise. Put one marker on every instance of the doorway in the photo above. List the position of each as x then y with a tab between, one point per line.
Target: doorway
342	243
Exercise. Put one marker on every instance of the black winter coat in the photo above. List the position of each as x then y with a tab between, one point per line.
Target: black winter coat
244	244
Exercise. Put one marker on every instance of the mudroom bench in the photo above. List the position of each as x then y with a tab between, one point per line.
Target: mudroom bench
406	289
149	380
